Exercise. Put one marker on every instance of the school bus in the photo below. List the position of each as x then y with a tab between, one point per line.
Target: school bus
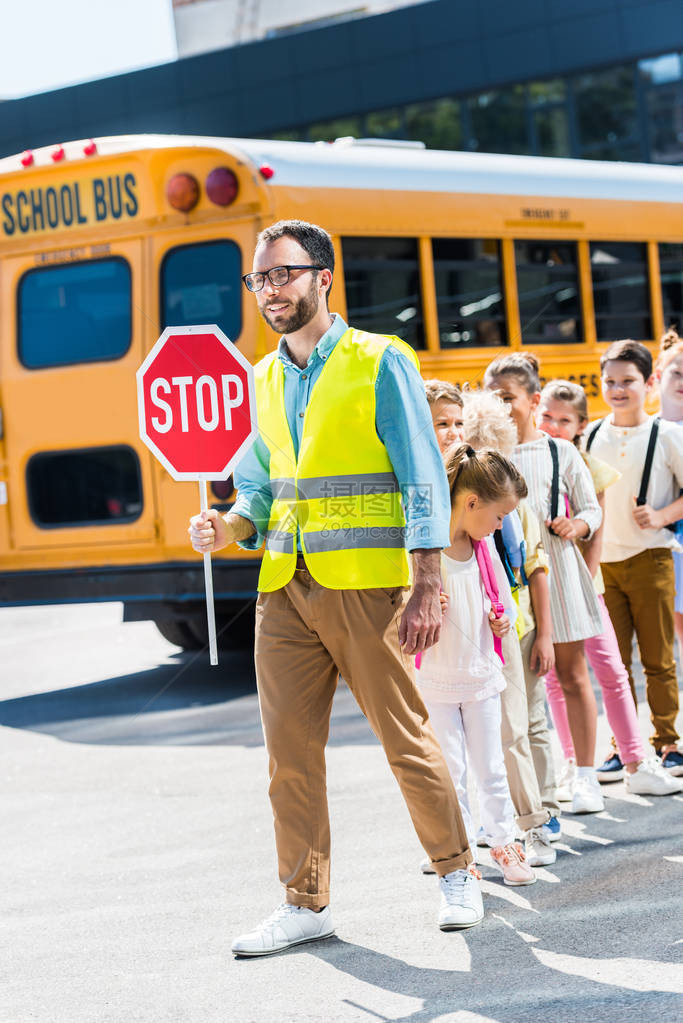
105	242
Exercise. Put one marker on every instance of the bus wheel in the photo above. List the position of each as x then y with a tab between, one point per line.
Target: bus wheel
178	632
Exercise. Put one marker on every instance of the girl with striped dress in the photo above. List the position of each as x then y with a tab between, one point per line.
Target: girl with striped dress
574	606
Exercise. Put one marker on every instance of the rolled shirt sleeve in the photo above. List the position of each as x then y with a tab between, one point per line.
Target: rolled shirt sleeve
254	496
404	425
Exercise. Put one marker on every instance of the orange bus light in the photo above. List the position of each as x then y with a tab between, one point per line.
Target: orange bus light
182	192
222	186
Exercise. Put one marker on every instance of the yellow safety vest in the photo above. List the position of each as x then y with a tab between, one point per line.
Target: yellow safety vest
341	492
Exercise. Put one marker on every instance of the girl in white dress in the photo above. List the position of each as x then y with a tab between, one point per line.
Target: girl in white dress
460	678
574	604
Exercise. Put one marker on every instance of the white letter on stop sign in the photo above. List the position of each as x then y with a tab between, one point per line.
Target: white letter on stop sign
202	383
230	403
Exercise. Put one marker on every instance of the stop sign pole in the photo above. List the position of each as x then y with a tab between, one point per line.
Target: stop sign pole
197	415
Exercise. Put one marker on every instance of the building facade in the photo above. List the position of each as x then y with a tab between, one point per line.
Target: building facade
205	25
597	79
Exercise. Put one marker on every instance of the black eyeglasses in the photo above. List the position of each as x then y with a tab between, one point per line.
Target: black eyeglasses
277	275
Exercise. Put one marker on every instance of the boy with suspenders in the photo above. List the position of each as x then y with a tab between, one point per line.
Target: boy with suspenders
640	508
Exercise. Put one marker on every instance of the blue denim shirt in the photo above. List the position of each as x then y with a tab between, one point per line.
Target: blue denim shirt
403	423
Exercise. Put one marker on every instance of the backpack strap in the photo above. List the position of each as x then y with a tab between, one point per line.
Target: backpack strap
592	432
555	482
504	557
647	467
488	577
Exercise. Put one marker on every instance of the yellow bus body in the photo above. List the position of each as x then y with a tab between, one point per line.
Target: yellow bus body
109	203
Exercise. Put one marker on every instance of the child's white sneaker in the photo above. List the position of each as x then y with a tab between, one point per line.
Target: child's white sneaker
587	797
539	851
651	779
461	902
565	784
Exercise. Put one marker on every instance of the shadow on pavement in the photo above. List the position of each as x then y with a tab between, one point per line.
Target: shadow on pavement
541	984
184	703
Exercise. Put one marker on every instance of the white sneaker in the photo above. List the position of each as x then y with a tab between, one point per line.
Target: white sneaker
539	851
587	797
288	925
461	904
651	779
565	784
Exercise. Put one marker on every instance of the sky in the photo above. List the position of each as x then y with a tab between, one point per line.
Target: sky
53	43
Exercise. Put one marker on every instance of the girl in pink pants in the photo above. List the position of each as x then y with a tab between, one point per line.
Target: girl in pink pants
605	660
563	412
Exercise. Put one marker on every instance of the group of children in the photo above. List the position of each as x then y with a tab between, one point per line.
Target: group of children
564	543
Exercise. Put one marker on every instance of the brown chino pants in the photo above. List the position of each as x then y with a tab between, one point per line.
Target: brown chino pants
305	636
639	593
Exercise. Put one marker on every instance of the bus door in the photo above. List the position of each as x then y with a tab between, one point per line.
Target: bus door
198	280
4	517
72	325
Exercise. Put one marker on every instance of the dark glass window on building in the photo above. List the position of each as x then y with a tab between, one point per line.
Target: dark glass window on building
201	284
437	124
93	486
553	90
621	290
668	67
551	129
385	124
75	313
383	286
665	122
498	121
548	288
469	292
341	127
671	274
606	108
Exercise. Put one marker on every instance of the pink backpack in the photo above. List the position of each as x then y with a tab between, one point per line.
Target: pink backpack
488	577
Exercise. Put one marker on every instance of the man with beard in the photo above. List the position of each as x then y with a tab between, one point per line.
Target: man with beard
346	451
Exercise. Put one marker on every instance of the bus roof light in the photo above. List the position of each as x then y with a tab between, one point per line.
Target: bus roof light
266	171
90	148
182	192
28	159
222	186
58	154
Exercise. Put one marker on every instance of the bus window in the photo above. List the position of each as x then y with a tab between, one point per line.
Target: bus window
621	290
75	313
92	486
383	287
548	288
671	274
201	284
469	292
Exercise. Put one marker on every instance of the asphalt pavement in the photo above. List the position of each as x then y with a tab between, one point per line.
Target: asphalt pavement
136	841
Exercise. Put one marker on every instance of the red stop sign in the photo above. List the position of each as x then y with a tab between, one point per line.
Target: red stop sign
196	403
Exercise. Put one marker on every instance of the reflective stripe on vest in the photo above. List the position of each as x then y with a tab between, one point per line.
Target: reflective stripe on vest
341	495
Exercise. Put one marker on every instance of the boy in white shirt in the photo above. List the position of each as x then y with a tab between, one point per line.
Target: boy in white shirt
637	560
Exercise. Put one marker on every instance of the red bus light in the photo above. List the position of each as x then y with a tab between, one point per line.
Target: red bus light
223	489
182	192
222	186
